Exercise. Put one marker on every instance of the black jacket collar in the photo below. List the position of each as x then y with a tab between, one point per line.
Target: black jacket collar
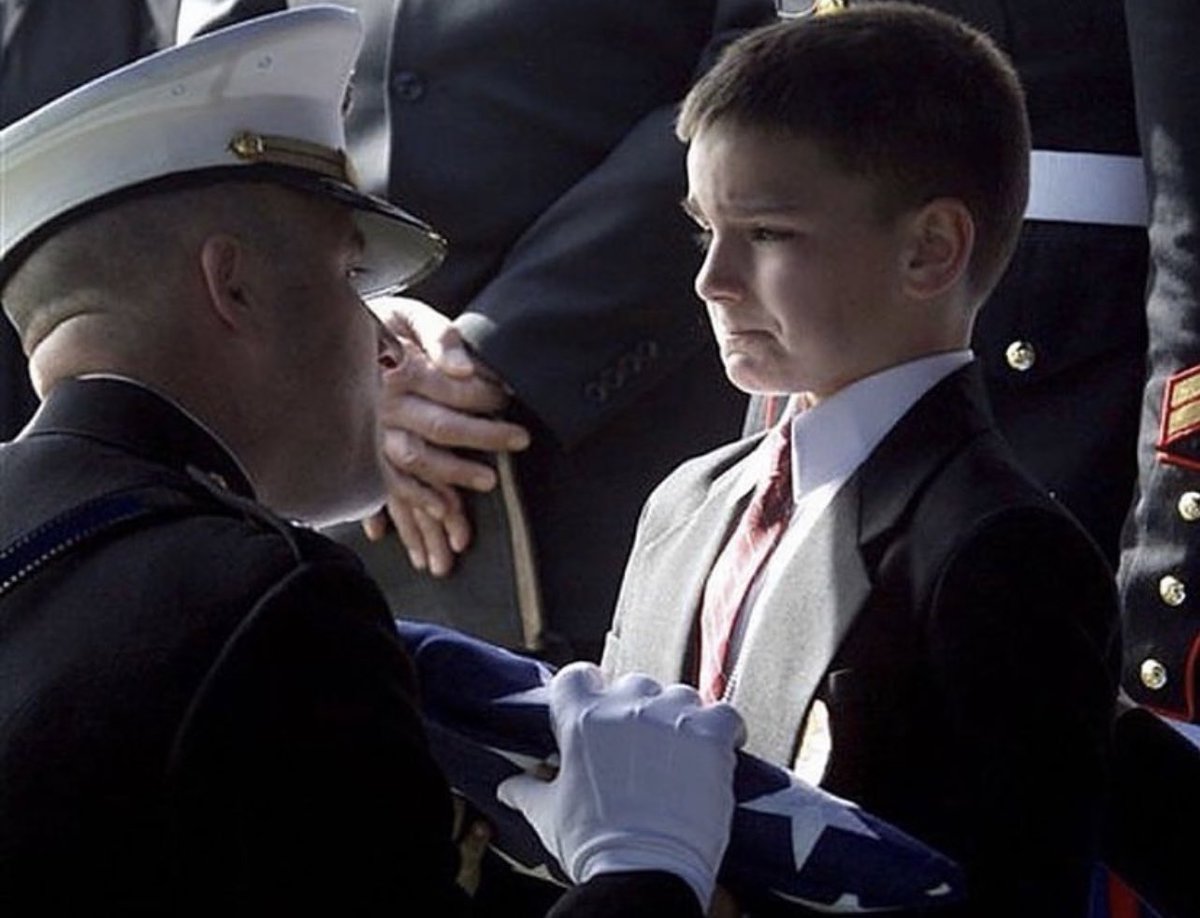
954	411
130	417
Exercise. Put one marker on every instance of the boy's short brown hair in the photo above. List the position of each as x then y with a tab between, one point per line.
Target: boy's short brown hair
917	101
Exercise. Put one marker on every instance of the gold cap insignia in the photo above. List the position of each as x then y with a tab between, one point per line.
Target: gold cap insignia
253	147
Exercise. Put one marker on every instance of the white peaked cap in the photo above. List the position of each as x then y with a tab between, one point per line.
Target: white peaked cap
262	100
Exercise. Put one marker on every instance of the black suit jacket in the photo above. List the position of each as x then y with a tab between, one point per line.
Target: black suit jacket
957	624
210	713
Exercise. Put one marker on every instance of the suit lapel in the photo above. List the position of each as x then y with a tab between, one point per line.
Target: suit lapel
798	628
666	577
814	604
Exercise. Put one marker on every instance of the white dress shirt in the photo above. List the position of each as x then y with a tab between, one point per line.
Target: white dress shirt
830	441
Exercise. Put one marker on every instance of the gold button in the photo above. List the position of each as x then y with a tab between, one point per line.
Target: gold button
247	145
1189	506
1154	675
1021	356
1172	590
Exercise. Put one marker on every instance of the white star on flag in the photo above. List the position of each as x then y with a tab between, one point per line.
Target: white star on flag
809	819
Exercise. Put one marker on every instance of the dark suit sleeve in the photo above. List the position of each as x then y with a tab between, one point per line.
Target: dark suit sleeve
593	305
1160	559
1022	638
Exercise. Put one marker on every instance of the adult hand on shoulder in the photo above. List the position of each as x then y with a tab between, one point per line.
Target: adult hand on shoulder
436	400
645	780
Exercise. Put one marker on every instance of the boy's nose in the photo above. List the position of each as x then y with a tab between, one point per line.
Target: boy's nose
718	277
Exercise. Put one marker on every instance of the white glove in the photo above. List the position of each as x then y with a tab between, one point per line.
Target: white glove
645	780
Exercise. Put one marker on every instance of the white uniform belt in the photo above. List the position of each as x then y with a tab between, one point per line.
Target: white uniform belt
1087	188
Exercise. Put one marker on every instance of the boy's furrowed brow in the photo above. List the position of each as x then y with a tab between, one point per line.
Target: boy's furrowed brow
765	207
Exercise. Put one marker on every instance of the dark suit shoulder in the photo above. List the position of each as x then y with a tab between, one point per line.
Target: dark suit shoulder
983	528
989	548
982	488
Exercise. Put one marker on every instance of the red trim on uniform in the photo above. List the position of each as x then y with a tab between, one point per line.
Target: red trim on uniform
1163	711
1189	680
1172	459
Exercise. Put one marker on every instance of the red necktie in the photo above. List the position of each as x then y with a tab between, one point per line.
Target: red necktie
740	561
773	406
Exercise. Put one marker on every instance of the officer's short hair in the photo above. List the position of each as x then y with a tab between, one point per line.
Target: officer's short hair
139	249
917	101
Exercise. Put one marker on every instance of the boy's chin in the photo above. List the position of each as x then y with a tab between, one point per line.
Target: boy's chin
751	380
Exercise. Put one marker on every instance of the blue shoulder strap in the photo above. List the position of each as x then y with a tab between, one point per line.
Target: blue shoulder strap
33	550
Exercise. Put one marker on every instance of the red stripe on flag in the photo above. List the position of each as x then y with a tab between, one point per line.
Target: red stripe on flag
1123	902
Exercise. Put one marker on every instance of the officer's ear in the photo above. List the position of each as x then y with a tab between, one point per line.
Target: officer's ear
940	239
227	270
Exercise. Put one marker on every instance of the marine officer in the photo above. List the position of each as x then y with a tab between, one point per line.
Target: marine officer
205	709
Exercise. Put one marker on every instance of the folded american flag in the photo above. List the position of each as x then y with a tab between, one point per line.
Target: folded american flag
486	714
1190	732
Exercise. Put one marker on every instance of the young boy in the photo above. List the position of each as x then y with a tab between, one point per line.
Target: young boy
920	628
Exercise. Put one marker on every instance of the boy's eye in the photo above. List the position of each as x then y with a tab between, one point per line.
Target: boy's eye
703	239
766	234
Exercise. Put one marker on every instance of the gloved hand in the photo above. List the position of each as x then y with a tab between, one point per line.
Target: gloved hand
645	780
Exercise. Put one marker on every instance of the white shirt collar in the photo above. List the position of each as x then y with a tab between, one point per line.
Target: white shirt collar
833	438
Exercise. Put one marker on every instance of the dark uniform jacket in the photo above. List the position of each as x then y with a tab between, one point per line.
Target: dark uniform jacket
1160	561
958	626
208	710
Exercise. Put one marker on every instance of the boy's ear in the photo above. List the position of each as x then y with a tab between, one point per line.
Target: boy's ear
225	265
942	237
